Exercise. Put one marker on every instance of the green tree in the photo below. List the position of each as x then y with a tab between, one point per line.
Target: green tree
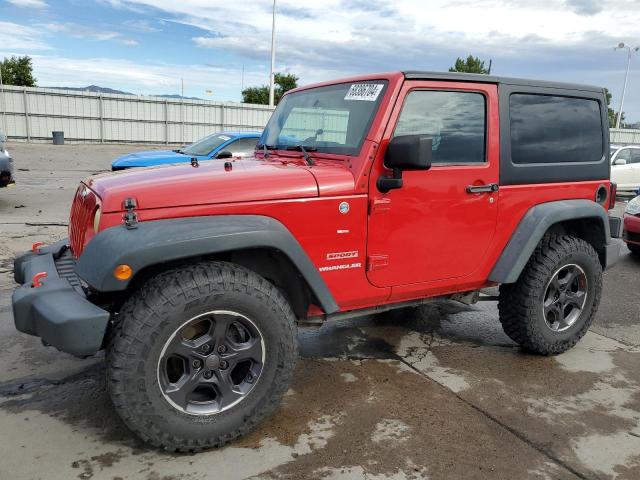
18	71
613	116
470	65
260	95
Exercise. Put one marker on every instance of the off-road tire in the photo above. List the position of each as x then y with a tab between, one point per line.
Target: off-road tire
150	317
521	303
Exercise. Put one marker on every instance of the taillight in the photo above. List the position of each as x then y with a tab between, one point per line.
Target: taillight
613	192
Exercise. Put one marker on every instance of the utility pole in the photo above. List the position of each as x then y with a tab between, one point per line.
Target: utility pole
4	115
242	81
273	56
630	51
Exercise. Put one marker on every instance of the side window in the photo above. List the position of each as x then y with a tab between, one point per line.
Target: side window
243	147
635	155
554	129
624	154
456	121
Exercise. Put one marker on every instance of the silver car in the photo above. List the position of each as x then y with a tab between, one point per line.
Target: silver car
6	164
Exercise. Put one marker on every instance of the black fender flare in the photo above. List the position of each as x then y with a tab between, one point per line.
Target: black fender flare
535	223
157	241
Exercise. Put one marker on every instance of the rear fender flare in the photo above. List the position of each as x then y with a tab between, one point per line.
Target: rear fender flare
536	222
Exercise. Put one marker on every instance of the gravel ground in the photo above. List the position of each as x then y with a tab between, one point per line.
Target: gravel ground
437	393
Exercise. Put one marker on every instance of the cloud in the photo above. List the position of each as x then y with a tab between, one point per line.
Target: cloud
28	3
586	7
81	31
140	26
136	77
14	37
550	39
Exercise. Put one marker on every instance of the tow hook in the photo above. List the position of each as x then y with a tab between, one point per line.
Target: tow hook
36	281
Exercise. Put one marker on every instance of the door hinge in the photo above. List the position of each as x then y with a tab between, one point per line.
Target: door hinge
376	262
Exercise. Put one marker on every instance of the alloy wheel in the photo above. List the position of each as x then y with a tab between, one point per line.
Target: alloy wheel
211	362
565	297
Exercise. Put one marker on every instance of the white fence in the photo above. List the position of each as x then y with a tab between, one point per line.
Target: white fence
31	114
625	136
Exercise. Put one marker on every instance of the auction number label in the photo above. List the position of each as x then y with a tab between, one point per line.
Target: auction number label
367	92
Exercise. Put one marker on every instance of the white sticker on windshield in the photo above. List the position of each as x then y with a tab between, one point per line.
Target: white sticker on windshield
224	137
364	91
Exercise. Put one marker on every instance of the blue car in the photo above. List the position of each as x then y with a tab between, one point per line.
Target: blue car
218	145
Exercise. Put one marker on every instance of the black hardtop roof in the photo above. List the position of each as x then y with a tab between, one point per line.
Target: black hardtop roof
476	77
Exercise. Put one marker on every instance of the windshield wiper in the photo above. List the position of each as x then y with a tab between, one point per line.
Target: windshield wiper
265	149
305	152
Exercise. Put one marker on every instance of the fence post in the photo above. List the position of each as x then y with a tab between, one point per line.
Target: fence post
26	114
166	121
100	109
222	116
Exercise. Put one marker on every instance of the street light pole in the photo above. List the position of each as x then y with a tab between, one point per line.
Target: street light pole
4	115
630	50
273	56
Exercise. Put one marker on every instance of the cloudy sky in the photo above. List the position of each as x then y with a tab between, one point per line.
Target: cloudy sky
146	46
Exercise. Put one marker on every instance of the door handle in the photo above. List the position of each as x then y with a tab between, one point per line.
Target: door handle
490	188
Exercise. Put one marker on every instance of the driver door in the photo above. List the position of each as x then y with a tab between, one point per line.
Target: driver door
439	224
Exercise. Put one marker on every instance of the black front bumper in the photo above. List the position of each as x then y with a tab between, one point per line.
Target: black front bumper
58	311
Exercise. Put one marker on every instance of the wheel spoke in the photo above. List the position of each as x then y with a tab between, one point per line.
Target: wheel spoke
246	351
181	347
221	327
180	391
228	394
568	279
576	299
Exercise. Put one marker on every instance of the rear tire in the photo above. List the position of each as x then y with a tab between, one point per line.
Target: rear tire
554	301
201	354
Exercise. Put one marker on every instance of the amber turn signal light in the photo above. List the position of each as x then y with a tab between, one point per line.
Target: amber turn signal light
122	272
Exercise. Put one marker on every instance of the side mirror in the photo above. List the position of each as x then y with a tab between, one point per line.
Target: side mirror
406	152
620	161
224	154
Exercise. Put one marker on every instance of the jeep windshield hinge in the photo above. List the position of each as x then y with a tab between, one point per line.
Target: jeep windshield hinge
130	217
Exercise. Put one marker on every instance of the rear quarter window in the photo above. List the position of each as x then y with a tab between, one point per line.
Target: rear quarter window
555	129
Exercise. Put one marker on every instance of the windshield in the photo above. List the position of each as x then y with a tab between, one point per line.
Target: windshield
332	119
206	145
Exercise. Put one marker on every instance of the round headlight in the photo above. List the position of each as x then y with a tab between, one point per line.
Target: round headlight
633	207
96	220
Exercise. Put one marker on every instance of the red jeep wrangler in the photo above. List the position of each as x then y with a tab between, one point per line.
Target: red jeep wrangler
366	194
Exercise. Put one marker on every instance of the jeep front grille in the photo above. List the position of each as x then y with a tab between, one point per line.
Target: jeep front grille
82	210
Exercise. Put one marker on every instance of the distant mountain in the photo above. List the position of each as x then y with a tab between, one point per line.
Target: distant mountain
178	97
97	89
94	89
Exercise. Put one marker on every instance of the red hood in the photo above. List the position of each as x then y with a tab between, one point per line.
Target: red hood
247	180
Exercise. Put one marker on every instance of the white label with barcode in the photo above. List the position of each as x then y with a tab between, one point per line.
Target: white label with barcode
367	92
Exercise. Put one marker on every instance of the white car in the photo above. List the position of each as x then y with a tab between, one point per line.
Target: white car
625	167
